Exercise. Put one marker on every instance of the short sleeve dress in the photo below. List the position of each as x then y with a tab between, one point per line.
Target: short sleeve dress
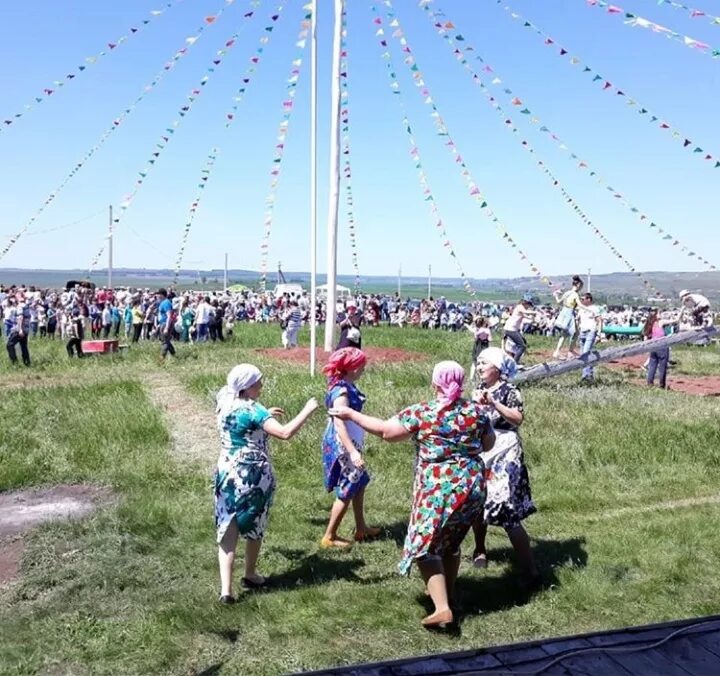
509	499
244	479
341	475
449	487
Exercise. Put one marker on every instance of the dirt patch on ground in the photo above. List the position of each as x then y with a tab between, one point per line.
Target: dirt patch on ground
22	510
301	355
699	386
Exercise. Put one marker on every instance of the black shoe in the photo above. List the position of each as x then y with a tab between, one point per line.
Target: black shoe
247	583
227	600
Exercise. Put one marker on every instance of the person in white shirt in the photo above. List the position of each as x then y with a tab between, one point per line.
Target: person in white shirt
291	321
202	319
591	323
698	305
514	343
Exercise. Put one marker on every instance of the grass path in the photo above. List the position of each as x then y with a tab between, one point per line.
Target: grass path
666	505
186	418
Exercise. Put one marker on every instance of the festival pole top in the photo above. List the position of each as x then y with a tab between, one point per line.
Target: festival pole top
110	250
334	202
313	185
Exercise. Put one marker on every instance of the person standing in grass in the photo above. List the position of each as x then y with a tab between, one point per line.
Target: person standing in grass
658	362
76	333
342	446
590	323
166	317
509	500
244	478
567	319
18	334
450	434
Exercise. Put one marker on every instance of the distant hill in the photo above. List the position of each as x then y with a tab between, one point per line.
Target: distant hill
616	286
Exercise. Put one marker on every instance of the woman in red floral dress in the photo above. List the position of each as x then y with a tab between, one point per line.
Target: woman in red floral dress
450	433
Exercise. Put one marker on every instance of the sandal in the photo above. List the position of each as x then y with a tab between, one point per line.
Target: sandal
336	543
367	534
438	621
480	560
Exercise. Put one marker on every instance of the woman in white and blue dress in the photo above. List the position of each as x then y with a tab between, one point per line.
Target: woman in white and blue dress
509	500
566	320
244	479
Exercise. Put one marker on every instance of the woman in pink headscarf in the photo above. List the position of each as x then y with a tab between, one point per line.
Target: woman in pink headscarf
450	432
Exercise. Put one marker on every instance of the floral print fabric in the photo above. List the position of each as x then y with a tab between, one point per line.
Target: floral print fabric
341	475
244	479
449	488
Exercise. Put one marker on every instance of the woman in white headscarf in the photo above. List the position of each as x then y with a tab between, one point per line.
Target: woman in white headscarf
244	479
509	500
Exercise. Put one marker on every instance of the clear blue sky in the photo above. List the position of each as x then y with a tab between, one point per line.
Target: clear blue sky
42	40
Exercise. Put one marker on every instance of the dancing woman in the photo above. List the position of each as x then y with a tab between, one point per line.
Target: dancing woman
450	433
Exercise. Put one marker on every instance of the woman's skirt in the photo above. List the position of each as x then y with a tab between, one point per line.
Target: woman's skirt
341	475
566	321
509	499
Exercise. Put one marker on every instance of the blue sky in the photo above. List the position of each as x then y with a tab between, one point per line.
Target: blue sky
42	40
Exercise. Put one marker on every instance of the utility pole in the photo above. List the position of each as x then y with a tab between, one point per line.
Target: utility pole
110	250
313	186
400	281
429	281
589	280
225	278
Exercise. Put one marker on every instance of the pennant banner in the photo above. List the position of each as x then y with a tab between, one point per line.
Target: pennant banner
415	153
442	130
169	131
169	65
446	29
694	13
288	105
607	86
347	168
634	20
57	85
230	117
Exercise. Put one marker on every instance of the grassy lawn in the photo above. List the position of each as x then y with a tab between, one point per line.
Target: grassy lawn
132	589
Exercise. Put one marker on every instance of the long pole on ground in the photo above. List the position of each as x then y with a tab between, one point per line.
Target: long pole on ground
595	357
110	249
225	276
313	185
334	202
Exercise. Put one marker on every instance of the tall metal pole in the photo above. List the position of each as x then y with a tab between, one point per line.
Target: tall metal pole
110	250
313	185
334	201
400	281
225	277
589	280
429	281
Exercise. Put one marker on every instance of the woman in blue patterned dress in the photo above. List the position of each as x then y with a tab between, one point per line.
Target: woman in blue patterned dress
244	479
342	446
450	433
509	500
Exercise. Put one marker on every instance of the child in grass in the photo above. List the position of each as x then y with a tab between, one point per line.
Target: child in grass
342	445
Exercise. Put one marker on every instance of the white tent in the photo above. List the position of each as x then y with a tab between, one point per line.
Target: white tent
340	291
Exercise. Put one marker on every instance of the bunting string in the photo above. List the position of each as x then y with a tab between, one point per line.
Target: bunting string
694	13
169	131
230	117
428	195
288	105
347	165
609	87
639	21
446	28
169	65
443	132
57	85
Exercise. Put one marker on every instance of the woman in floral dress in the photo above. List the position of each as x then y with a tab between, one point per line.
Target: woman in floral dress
342	446
244	479
450	433
509	500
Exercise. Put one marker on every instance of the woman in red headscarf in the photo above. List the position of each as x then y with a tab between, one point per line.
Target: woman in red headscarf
342	446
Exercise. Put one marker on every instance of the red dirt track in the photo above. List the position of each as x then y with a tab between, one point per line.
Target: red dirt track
383	355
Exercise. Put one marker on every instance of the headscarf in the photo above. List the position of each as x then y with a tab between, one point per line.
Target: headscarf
448	377
500	360
241	377
343	360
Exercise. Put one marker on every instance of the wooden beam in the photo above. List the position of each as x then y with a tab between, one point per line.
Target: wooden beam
548	370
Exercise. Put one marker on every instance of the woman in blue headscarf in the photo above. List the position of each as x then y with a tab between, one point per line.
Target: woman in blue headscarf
509	500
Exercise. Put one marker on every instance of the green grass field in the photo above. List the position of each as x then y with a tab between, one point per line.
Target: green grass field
627	483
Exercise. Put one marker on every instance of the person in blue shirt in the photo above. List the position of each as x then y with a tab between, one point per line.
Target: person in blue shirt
166	323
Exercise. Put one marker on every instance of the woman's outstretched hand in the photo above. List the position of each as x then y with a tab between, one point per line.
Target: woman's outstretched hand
311	405
342	412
